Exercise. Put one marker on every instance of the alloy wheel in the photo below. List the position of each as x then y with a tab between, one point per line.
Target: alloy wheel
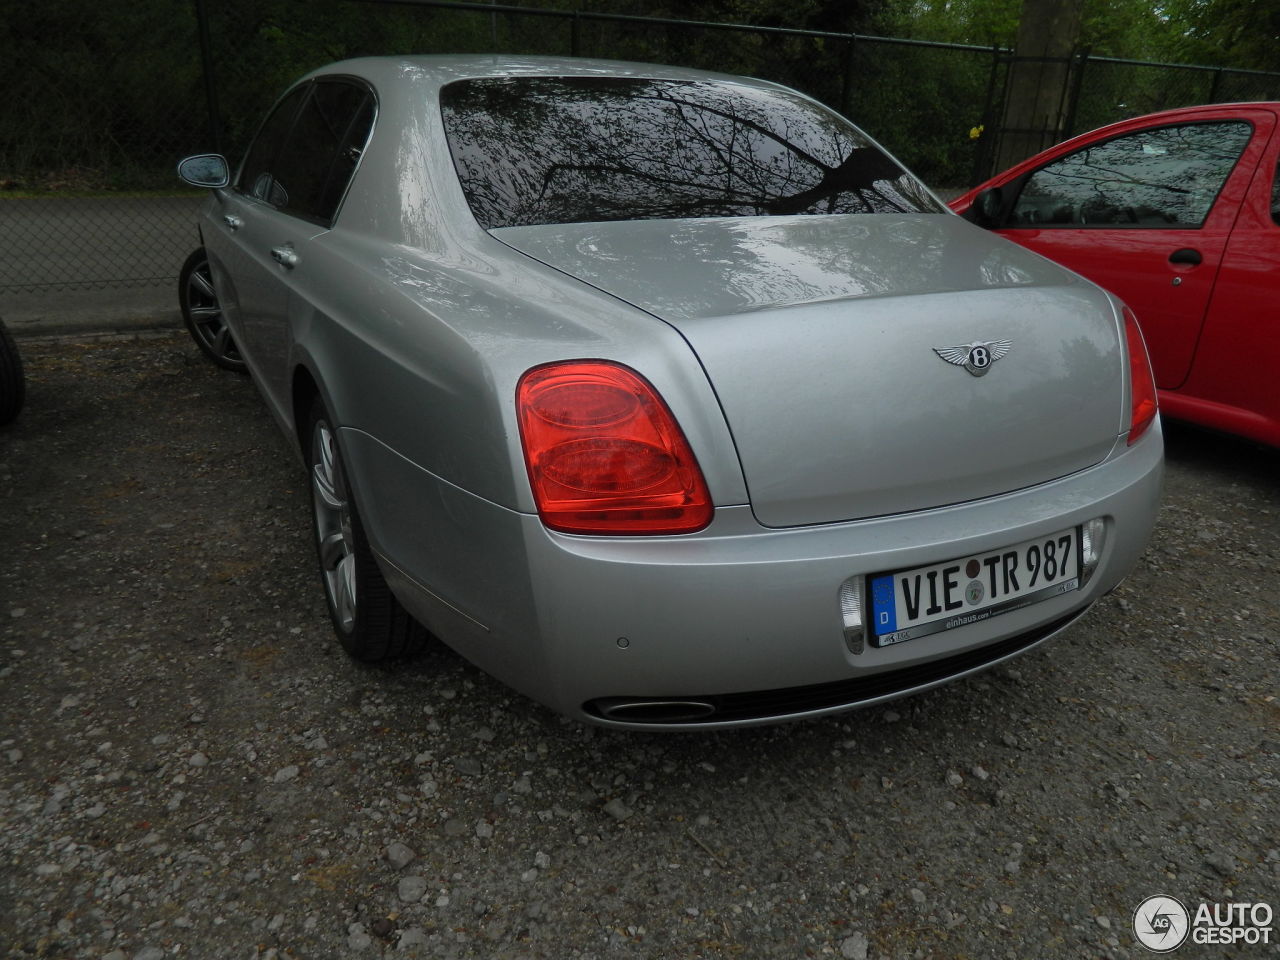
205	320
334	536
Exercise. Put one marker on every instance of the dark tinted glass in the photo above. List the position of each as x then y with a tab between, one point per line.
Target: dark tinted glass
344	163
255	173
1163	177
319	156
1275	196
532	150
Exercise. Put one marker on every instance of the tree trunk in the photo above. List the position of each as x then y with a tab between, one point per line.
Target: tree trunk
1039	79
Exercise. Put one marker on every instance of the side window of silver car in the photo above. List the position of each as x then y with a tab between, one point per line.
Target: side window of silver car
320	154
1163	177
256	178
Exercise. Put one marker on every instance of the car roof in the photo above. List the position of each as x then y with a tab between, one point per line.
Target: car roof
1236	104
435	71
1174	114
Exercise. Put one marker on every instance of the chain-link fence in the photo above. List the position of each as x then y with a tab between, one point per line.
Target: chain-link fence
97	103
103	99
1111	90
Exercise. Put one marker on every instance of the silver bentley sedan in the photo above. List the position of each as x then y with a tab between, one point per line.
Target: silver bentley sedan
669	398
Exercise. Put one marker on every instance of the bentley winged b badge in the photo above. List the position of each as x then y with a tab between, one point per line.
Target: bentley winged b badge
976	357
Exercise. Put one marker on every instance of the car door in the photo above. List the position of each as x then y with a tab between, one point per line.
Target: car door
235	231
1232	385
287	194
1147	215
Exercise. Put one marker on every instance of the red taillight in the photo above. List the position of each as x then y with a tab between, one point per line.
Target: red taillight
1142	384
604	453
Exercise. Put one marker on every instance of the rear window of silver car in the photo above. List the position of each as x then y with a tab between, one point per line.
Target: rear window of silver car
544	150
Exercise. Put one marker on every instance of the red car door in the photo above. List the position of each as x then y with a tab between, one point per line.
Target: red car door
1146	213
1233	381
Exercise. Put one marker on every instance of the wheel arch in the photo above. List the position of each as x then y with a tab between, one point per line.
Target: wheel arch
303	390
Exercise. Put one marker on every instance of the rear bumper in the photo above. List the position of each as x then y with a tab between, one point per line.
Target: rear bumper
739	616
862	690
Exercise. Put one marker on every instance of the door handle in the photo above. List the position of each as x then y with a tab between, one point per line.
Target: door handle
285	256
235	223
1186	255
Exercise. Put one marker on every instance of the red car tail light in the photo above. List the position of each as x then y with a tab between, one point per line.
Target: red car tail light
605	455
1142	383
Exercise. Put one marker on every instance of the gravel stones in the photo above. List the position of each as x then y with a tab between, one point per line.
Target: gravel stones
468	766
1118	763
1222	863
414	938
358	938
399	855
618	810
411	889
855	947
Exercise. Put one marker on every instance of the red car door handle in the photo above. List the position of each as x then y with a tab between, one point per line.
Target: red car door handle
1185	255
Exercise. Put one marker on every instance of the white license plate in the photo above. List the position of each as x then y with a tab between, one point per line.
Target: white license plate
924	600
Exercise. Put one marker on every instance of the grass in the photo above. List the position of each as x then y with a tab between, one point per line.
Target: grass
80	182
18	194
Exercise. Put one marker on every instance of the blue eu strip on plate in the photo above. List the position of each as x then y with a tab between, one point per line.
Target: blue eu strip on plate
884	608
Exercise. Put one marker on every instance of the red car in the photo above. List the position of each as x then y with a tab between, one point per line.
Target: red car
1178	214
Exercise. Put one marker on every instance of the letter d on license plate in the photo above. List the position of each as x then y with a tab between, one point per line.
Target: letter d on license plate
924	600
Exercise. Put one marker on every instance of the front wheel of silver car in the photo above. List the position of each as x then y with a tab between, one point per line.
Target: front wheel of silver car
369	621
202	313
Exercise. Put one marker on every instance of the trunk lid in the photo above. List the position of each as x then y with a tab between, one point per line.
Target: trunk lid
821	337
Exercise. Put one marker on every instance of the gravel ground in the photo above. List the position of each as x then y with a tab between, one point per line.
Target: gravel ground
189	766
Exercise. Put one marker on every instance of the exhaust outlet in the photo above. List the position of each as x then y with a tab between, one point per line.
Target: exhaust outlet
652	711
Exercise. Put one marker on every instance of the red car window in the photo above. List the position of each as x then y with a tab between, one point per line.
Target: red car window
1162	177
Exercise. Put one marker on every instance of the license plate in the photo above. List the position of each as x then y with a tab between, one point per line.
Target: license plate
924	600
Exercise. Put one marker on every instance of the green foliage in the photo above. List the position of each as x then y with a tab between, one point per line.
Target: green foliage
110	95
1231	33
1234	33
980	22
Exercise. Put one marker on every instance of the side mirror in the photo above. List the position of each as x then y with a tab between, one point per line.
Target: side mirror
988	207
205	170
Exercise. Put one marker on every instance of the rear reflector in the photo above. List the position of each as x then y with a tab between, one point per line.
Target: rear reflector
605	455
1142	383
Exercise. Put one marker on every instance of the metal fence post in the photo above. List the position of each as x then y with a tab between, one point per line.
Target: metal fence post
1214	87
575	35
1077	84
210	87
846	81
987	133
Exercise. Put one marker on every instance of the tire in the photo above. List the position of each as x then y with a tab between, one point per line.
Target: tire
202	313
13	386
368	619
